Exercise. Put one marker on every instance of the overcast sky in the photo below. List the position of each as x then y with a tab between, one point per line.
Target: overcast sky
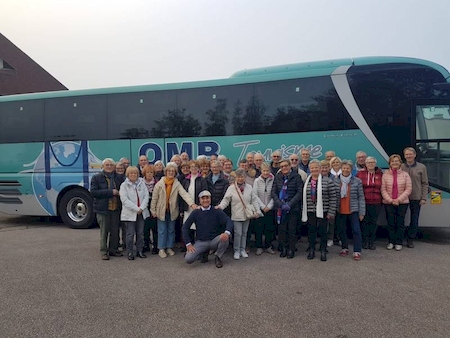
108	43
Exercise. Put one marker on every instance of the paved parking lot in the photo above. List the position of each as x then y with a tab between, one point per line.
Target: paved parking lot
53	284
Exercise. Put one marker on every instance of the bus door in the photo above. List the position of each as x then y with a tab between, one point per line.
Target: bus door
432	139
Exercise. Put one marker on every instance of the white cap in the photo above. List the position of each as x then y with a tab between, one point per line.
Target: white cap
204	193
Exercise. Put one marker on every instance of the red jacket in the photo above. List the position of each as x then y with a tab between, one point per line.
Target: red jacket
371	185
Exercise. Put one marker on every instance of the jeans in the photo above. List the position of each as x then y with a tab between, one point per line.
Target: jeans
265	226
356	230
137	228
151	225
240	235
395	216
166	233
317	226
287	231
369	223
414	206
109	231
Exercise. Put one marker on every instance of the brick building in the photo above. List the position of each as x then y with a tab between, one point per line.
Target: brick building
19	74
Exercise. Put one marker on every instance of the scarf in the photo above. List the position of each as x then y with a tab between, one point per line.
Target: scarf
169	183
344	184
283	195
394	184
150	185
334	173
241	187
319	204
370	178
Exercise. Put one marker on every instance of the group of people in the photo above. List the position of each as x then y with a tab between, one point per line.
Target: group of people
213	204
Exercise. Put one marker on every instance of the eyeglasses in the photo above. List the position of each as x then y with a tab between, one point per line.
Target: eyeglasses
370	162
284	166
277	156
294	159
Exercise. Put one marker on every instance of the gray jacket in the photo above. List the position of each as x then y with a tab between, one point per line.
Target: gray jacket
357	200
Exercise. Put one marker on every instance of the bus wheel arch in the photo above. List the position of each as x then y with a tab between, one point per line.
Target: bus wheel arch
75	207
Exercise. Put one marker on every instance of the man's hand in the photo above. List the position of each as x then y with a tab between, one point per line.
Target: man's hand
422	202
217	207
224	237
195	206
139	212
115	192
266	210
190	248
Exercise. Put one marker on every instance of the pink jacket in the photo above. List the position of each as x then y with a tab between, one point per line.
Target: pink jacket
404	186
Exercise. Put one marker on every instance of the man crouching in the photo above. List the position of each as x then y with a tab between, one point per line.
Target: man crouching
208	222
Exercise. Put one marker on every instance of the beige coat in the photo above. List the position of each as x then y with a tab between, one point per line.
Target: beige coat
158	205
237	209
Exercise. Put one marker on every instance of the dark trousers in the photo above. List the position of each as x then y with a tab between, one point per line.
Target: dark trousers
287	231
414	206
265	226
395	216
369	223
356	230
317	226
137	228
109	231
151	225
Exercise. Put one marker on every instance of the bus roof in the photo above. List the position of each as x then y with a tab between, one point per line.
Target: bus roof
273	73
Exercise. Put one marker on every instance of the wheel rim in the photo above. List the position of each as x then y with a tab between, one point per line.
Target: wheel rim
77	209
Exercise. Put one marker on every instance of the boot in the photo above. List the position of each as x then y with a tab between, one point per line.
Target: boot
290	254
312	252
366	244
323	256
283	251
409	243
146	247
372	245
204	258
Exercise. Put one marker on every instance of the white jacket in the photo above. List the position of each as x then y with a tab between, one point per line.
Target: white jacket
237	209
128	195
263	189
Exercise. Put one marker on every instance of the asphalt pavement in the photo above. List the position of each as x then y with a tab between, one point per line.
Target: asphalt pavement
54	284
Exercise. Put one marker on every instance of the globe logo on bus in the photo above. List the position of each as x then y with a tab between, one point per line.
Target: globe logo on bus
65	165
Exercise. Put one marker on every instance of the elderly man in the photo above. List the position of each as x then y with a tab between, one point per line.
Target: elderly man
360	162
275	163
208	221
293	159
329	155
143	161
419	178
304	162
184	157
105	187
258	159
125	161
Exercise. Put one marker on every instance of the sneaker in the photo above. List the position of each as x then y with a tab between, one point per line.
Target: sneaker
270	250
330	242
259	251
162	253
244	254
236	255
390	246
105	257
344	253
357	256
398	247
170	252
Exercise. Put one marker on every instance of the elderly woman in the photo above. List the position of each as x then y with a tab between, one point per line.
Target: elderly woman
351	207
159	170
371	177
396	187
194	184
134	198
184	170
204	167
150	222
335	164
319	206
264	225
241	196
164	206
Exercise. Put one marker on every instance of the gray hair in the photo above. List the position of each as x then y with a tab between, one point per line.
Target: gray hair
360	153
410	149
265	165
371	158
221	157
172	165
201	157
159	161
216	162
108	159
240	172
347	162
314	161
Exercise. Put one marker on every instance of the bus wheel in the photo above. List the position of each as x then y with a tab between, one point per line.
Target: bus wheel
75	209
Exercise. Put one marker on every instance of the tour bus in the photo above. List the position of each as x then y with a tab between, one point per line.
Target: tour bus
51	144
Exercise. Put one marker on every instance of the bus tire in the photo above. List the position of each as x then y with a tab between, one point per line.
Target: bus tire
76	208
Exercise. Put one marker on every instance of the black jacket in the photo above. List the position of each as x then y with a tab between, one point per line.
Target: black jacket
294	190
101	192
200	185
217	189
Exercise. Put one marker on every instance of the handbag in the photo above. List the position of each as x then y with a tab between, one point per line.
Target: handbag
249	213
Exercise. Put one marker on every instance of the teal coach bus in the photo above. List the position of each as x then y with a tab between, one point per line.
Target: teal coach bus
52	143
